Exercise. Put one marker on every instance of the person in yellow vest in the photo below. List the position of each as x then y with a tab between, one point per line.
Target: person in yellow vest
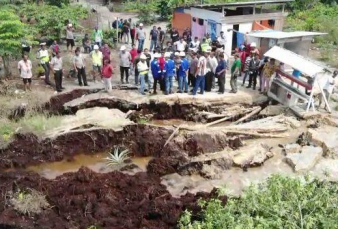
97	58
142	68
43	56
204	45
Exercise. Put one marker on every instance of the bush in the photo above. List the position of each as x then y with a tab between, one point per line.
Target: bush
280	202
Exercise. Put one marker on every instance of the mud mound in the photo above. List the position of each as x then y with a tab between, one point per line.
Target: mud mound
112	200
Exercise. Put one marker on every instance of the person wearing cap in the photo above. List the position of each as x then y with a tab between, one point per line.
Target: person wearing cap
97	59
97	36
253	70
79	66
140	36
170	72
70	37
180	45
183	70
125	60
143	71
56	66
43	55
220	73
200	73
253	48
235	72
269	70
156	71
25	69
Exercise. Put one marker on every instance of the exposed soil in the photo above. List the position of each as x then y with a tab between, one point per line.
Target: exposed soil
112	200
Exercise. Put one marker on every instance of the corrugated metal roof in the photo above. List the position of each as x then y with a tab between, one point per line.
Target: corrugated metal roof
283	35
243	4
296	61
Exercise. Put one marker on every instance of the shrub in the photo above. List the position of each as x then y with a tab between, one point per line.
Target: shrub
117	158
29	202
279	202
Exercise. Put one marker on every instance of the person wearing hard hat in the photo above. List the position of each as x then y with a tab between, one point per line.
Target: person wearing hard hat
125	60
143	70
156	71
183	74
70	37
169	71
140	36
97	59
253	48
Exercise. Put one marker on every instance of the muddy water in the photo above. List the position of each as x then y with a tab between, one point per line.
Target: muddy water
171	122
94	162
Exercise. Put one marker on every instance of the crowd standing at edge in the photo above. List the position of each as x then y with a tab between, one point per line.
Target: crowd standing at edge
191	61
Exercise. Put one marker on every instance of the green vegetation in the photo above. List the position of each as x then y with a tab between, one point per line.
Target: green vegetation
12	32
117	158
29	202
280	202
142	121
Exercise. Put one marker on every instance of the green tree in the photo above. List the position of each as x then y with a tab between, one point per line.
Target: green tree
280	202
12	32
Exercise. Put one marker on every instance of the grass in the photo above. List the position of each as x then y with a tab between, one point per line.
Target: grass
142	121
28	202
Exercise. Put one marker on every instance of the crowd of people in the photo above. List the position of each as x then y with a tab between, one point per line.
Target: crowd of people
198	64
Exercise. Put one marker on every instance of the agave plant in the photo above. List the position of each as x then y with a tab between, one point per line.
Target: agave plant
117	158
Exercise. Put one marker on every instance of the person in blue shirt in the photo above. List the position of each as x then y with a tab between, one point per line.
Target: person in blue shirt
220	73
182	74
156	71
169	72
296	73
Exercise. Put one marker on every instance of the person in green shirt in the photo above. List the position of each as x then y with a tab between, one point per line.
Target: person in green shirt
235	72
97	36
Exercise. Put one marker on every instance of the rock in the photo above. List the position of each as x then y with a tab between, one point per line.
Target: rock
273	110
251	155
327	138
292	148
304	161
224	163
211	172
329	168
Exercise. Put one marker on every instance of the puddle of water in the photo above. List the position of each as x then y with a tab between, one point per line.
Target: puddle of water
94	162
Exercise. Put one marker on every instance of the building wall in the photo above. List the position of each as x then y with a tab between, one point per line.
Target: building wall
228	35
181	21
206	14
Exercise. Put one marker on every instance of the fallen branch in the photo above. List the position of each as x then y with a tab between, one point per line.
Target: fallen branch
255	134
218	121
171	136
252	113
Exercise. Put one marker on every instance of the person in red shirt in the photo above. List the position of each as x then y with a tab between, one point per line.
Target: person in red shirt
161	62
133	53
107	73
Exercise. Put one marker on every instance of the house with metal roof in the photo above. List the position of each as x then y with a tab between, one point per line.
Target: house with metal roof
235	19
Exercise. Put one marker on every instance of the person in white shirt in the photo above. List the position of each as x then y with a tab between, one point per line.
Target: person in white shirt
330	84
200	73
79	66
180	45
213	63
222	40
25	69
56	66
195	44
